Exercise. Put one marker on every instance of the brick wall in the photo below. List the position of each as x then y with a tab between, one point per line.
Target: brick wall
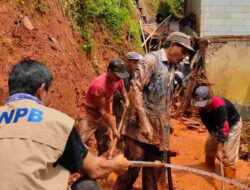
224	17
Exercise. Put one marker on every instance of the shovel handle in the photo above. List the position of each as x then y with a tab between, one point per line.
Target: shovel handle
222	174
119	131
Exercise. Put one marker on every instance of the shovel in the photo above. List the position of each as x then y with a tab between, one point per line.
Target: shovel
222	174
120	126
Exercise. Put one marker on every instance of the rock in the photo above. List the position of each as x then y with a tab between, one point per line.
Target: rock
26	22
57	45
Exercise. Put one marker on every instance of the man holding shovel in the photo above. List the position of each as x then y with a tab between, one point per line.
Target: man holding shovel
96	115
224	125
147	132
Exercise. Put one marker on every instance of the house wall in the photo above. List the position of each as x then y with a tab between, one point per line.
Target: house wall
225	17
227	64
228	68
194	6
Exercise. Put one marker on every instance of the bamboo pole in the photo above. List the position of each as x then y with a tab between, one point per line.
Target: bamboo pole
155	30
143	36
140	22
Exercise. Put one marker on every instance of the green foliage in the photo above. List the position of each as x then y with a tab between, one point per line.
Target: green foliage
41	5
171	7
115	14
176	6
153	5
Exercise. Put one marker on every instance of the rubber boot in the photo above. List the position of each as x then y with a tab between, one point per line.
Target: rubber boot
210	161
230	172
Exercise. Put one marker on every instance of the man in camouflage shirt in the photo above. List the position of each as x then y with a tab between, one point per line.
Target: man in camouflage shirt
148	121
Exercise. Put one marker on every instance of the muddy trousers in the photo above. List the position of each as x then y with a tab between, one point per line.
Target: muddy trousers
230	151
152	178
86	127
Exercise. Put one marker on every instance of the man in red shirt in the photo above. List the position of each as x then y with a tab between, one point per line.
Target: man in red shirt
96	115
131	60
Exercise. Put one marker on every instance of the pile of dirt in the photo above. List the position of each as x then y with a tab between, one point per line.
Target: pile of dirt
52	42
44	33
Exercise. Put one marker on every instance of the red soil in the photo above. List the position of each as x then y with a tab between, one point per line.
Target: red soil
190	144
73	72
54	43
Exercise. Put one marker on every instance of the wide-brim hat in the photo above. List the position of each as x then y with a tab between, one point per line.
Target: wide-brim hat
182	39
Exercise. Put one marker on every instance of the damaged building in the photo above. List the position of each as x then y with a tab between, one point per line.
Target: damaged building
226	23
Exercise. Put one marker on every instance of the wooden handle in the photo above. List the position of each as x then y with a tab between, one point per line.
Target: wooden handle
112	148
222	174
119	131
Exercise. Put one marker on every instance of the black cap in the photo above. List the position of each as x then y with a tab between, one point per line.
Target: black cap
118	67
201	96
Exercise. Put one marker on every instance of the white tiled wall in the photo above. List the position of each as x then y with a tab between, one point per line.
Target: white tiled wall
222	17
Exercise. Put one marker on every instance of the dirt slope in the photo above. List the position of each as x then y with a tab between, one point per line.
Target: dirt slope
53	42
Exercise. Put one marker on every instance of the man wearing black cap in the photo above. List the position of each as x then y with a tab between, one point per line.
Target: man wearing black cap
131	60
147	133
96	115
224	125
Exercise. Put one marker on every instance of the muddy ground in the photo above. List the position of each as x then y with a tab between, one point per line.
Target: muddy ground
190	144
53	42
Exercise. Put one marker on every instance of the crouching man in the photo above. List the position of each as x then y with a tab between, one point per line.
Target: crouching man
224	125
